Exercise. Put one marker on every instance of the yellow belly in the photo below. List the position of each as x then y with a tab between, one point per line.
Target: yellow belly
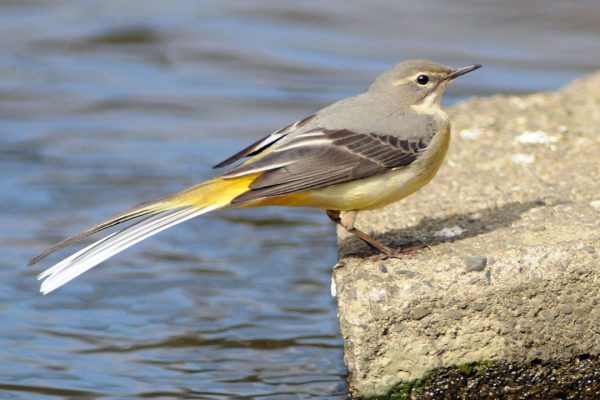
376	191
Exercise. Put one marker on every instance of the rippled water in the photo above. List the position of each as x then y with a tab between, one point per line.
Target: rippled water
104	104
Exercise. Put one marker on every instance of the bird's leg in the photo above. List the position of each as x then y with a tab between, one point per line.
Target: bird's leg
346	220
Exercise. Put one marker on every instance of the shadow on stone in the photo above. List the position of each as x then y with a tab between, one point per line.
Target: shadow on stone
472	224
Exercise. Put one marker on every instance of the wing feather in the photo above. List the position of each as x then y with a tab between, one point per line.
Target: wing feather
338	156
264	142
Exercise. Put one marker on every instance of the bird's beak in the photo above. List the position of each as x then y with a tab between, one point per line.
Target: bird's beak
461	71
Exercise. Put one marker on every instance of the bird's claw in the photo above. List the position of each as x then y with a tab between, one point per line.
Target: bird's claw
402	251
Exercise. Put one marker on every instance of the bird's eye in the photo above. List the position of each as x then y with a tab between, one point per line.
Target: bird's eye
422	79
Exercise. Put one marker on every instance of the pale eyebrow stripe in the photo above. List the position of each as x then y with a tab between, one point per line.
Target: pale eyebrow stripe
411	78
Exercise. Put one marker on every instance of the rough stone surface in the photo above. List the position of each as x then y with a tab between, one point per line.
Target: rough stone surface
520	189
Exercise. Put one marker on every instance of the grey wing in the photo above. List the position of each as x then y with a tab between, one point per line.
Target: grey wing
320	158
265	142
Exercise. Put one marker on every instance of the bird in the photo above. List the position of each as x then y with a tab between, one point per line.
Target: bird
359	153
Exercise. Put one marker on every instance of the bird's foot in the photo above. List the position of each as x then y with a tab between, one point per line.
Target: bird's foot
404	250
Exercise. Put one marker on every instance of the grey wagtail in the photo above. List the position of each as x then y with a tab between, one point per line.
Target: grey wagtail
359	153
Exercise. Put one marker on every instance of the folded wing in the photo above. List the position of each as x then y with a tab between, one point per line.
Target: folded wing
321	158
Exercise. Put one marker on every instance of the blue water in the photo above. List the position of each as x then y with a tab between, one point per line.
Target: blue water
104	104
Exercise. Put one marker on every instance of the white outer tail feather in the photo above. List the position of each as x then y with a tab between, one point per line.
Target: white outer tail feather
92	255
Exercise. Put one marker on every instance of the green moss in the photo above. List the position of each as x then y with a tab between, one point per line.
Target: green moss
573	378
403	390
473	367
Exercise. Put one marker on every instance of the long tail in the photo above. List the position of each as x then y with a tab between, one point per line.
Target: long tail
151	219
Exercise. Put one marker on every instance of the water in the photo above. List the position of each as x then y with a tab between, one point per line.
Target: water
104	104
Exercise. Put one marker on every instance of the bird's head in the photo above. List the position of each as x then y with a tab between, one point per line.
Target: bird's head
418	83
